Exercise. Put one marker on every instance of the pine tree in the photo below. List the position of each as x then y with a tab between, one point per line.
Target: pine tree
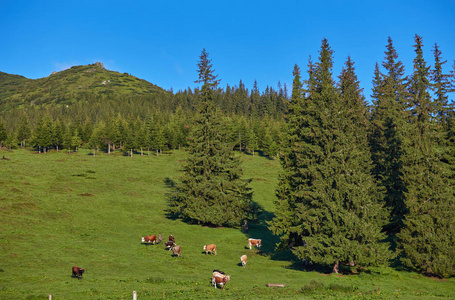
211	189
428	236
252	141
3	133
285	222
76	140
333	211
23	132
387	134
97	137
57	138
43	133
441	86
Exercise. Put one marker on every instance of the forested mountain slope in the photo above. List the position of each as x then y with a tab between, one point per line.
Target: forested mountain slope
69	86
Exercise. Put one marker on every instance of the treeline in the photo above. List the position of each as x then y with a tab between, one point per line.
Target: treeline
362	185
156	122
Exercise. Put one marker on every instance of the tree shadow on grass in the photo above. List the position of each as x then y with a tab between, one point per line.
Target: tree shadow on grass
170	184
259	230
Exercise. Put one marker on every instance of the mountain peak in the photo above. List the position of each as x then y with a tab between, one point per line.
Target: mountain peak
99	64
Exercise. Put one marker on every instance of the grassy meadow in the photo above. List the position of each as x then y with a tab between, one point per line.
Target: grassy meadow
58	210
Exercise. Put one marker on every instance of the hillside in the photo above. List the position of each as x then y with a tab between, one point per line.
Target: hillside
76	83
59	209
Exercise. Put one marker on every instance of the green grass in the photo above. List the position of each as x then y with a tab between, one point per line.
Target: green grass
58	210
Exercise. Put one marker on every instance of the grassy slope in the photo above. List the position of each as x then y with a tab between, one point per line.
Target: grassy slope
58	210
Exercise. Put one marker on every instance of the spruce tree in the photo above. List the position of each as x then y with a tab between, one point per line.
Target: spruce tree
387	134
335	213
428	236
211	191
440	86
3	133
285	222
443	114
23	132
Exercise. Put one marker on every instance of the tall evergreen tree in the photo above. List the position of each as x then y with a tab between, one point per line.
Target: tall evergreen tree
328	203
43	133
428	236
387	134
23	132
3	133
441	86
211	189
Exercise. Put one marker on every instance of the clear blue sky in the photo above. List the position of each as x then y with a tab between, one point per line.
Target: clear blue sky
160	41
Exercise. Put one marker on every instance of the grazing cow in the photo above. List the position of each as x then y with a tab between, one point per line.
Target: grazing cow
243	259
220	279
77	272
210	248
169	245
160	239
149	239
255	242
171	238
177	250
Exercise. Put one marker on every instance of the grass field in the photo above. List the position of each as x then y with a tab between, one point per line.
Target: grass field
58	210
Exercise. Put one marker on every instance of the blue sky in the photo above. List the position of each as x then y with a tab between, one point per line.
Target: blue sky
160	41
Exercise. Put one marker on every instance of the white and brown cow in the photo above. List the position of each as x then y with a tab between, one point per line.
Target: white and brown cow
177	250
149	239
219	279
243	259
169	245
255	242
210	248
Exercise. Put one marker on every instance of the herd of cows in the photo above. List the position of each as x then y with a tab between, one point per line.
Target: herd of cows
219	278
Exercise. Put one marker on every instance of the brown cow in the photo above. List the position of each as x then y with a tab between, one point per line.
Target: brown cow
210	248
149	239
177	250
77	272
243	259
171	238
220	279
255	242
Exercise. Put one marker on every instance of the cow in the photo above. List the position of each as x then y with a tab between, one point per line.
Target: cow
169	245
177	250
243	259
171	238
220	279
149	239
218	271
77	272
255	242
210	248
160	239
